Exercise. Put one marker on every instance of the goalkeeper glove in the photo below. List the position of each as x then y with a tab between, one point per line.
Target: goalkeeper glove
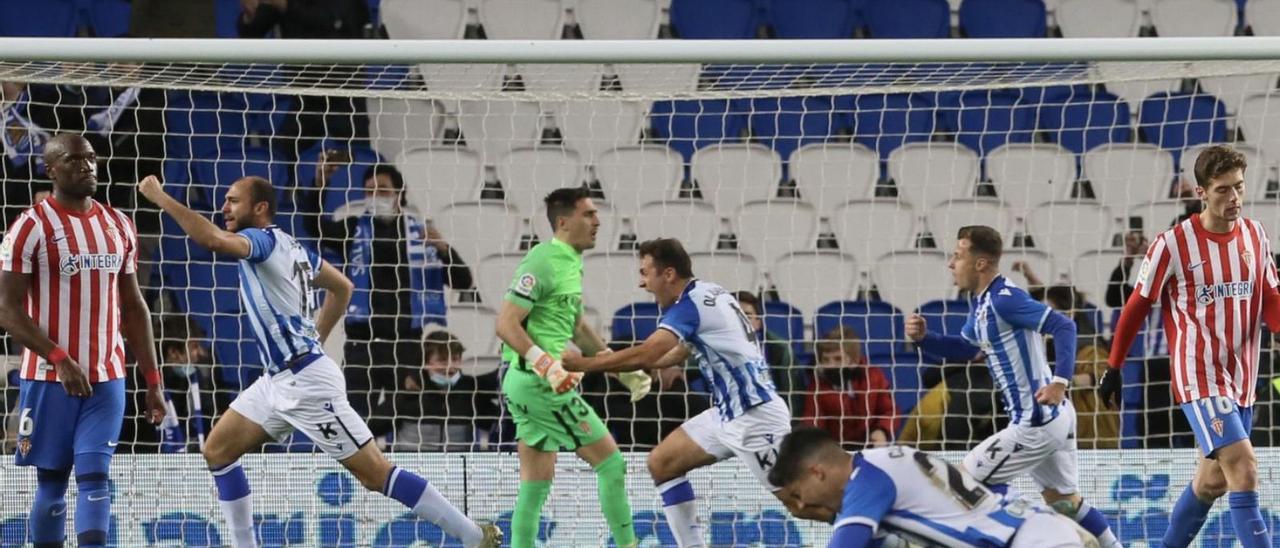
638	382
552	370
1110	387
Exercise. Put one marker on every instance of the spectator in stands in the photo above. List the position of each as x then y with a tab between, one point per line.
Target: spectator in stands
1097	426
400	266
439	408
961	410
186	360
787	376
22	144
1118	287
850	399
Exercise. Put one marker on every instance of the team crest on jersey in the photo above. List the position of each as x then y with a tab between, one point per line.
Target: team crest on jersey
524	286
1247	256
6	246
24	446
1144	269
1217	426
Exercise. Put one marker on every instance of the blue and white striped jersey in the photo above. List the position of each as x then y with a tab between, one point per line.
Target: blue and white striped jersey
925	499
708	319
276	289
1006	324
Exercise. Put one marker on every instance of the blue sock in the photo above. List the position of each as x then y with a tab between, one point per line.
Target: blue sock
404	486
236	504
48	522
1186	519
1091	519
93	501
231	482
1246	517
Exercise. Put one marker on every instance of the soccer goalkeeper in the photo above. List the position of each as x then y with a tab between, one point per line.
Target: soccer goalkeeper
542	313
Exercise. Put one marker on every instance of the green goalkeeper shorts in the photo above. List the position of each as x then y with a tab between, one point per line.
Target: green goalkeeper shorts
548	421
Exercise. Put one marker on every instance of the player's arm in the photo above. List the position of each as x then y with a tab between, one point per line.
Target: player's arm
586	338
854	535
1156	269
135	325
1271	295
950	347
337	295
199	228
13	314
662	349
1020	310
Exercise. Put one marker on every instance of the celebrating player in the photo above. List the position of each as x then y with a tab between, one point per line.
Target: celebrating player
70	290
915	496
1005	324
749	419
1215	278
302	388
542	312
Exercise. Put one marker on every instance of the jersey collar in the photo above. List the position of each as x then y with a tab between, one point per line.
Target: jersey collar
558	243
94	208
1220	237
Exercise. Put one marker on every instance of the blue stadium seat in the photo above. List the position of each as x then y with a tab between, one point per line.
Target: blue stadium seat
714	19
985	120
235	353
226	13
907	18
346	184
110	18
687	126
198	124
814	19
787	322
1084	119
886	122
879	323
1002	18
634	322
230	165
946	317
51	18
787	123
904	372
1174	121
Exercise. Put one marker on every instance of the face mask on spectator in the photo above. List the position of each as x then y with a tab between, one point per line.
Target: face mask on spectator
381	206
836	375
446	380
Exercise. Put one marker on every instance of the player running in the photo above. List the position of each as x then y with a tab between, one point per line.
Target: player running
915	496
69	291
1005	325
748	420
542	312
1215	279
302	388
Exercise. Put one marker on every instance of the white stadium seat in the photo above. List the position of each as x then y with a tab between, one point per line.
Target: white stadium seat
1255	176
733	270
495	128
480	229
927	174
397	124
769	229
611	281
529	174
424	19
1232	90
868	229
810	279
1133	92
1157	216
618	19
945	220
1194	17
592	128
462	77
1091	273
437	177
473	326
633	176
476	365
493	276
661	78
561	77
1099	18
606	235
830	174
730	175
694	223
1123	174
907	279
1269	215
1070	229
1028	174
522	19
1258	119
1263	18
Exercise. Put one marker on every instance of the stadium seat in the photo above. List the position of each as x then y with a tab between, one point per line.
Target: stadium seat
1263	18
1041	261
198	123
461	78
1267	213
592	128
480	229
1002	18
561	78
1194	17
494	275
424	19
1072	228
984	120
1084	119
231	165
714	19
879	323
235	349
1256	114
619	19
809	279
910	278
495	128
927	174
110	18
633	176
907	18
522	19
225	14
347	182
945	219
1232	90
868	229
1176	121
438	176
473	326
399	124
694	223
634	322
664	78
1128	173
687	126
732	270
47	18
830	174
886	122
1091	272
787	123
945	317
814	19
606	235
1255	176
610	281
1099	18
1026	174
1134	92
772	228
529	174
784	321
1157	216
730	175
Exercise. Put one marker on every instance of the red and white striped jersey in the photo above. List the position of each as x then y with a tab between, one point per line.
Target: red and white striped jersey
75	260
1210	287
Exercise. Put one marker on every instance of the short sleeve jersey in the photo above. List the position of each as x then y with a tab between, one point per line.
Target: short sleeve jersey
548	283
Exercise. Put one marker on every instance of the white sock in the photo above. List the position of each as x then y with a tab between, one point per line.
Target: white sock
239	514
433	507
682	512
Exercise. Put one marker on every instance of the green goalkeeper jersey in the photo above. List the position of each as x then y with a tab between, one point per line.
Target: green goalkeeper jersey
548	283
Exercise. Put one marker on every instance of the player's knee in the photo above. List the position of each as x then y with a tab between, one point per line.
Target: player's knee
1239	467
215	455
659	466
1209	487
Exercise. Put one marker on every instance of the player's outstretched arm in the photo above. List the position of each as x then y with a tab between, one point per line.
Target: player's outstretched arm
587	339
135	325
660	350
202	230
337	295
